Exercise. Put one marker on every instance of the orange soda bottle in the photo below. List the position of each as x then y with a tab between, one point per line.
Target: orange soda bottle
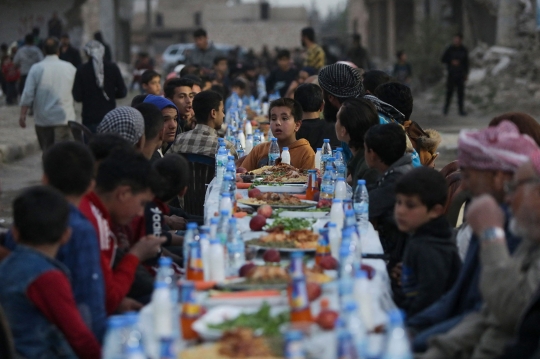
195	263
323	246
191	311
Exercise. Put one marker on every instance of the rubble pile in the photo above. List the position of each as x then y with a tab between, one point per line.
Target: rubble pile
500	76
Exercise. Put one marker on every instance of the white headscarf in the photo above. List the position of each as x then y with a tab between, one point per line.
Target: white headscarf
96	50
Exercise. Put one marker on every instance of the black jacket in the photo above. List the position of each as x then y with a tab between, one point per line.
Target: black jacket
85	89
431	265
280	81
316	130
459	55
71	55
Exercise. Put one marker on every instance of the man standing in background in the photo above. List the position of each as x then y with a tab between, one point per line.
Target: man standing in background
456	58
48	90
25	57
315	54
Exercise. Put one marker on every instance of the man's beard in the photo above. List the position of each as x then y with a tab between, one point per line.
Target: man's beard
330	112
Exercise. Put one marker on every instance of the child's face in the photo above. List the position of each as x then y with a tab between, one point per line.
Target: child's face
128	205
284	63
153	87
410	213
282	124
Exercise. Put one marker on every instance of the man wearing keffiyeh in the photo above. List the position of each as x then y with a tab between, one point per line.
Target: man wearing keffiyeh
98	83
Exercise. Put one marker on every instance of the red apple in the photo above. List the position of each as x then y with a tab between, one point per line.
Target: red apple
246	269
271	256
313	291
257	223
265	210
328	263
254	193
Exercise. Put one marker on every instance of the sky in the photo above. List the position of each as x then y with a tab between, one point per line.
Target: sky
323	6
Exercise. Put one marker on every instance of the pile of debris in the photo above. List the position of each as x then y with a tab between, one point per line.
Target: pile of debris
503	78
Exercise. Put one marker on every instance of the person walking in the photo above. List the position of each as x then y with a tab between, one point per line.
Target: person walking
456	58
26	56
48	90
98	83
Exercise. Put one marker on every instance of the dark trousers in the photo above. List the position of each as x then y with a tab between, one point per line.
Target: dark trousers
49	135
451	83
22	82
11	92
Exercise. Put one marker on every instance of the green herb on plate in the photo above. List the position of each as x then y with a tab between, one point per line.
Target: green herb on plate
290	224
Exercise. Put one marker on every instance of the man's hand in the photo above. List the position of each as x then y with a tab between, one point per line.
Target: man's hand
175	222
396	273
22	121
484	213
147	247
128	305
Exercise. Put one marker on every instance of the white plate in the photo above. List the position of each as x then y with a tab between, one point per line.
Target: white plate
303	214
288	188
222	313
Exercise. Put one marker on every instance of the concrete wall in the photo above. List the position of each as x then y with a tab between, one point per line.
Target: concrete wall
17	18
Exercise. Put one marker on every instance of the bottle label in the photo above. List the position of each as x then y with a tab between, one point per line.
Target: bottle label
166	348
360	208
299	298
328	189
195	260
345	348
191	310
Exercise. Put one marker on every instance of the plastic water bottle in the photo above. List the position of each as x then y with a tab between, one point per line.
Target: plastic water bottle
346	255
226	202
345	346
397	343
248	128
214	222
221	162
337	215
223	225
339	163
113	344
230	169
318	159
228	186
350	223
294	347
257	138
235	250
217	261
239	148
166	275
249	144
241	137
285	156
221	144
162	309
362	292
354	325
334	237
361	206
204	242
273	152
326	153
189	237
327	185
340	191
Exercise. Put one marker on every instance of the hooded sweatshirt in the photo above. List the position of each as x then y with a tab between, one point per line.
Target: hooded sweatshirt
431	265
161	103
302	156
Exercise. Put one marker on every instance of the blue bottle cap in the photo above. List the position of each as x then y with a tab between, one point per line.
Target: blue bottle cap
341	179
222	151
323	231
231	158
339	149
160	284
221	140
361	274
232	220
215	241
228	178
192	225
361	182
350	306
332	225
293	335
298	254
250	136
312	171
226	194
116	321
185	284
326	140
329	168
336	200
274	139
285	148
225	212
165	261
195	244
214	220
349	213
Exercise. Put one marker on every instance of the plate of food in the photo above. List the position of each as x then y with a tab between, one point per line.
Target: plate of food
258	277
280	173
282	188
316	213
291	241
277	200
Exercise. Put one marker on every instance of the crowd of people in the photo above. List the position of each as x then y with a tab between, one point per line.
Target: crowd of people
78	250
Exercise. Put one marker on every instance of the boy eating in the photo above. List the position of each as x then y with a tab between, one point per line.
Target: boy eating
34	288
431	261
285	120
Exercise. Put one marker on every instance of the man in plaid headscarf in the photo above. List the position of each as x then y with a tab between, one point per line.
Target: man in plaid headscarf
98	84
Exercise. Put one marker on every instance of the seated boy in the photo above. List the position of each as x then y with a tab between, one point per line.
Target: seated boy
285	119
153	129
151	82
69	168
431	261
385	151
122	189
238	88
34	288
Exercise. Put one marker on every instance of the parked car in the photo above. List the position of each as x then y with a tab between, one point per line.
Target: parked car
177	53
